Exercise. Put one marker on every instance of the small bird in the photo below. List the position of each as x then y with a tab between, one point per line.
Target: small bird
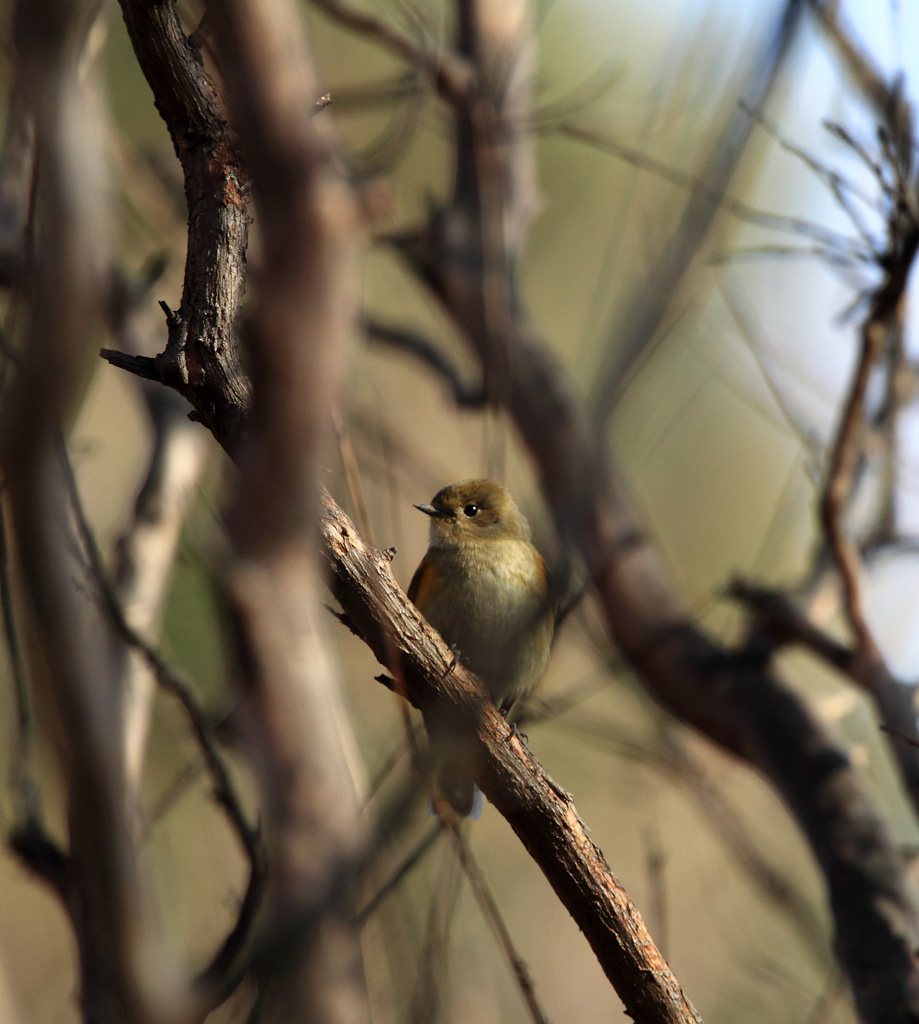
483	586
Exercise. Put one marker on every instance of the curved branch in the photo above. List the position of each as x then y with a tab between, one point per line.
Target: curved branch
631	336
882	324
451	76
736	700
466	395
201	360
539	811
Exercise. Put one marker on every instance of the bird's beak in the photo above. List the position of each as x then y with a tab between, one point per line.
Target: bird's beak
429	510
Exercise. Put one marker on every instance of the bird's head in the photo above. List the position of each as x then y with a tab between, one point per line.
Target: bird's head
474	510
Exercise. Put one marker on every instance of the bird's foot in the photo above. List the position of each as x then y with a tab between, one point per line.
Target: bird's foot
516	733
454	661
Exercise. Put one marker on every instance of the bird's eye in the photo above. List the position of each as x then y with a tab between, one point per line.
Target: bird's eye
471	510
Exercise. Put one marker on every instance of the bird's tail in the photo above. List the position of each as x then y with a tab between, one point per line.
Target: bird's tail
454	786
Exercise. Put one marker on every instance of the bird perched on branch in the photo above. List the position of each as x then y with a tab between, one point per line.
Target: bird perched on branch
483	586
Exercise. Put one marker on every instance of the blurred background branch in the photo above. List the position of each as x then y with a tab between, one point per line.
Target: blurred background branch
551	297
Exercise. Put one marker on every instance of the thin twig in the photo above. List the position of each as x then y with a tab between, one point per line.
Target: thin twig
29	839
832	258
840	187
911	740
847	447
174	791
588	93
466	395
400	874
655	863
887	99
451	76
169	678
425	997
24	787
831	240
352	470
218	979
838	488
489	908
746	324
826	1002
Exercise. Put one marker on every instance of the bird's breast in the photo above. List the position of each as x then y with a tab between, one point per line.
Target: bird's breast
490	604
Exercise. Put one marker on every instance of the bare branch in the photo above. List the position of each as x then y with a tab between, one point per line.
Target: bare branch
17	177
630	337
465	395
538	810
888	100
200	360
847	450
298	335
28	839
489	908
881	335
731	696
123	972
735	700
779	622
146	550
451	76
218	980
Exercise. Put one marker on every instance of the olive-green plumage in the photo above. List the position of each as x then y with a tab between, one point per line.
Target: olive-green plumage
483	586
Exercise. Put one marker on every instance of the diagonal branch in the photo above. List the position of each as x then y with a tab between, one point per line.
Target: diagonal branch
540	812
887	99
216	981
489	908
630	337
465	394
451	76
737	701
